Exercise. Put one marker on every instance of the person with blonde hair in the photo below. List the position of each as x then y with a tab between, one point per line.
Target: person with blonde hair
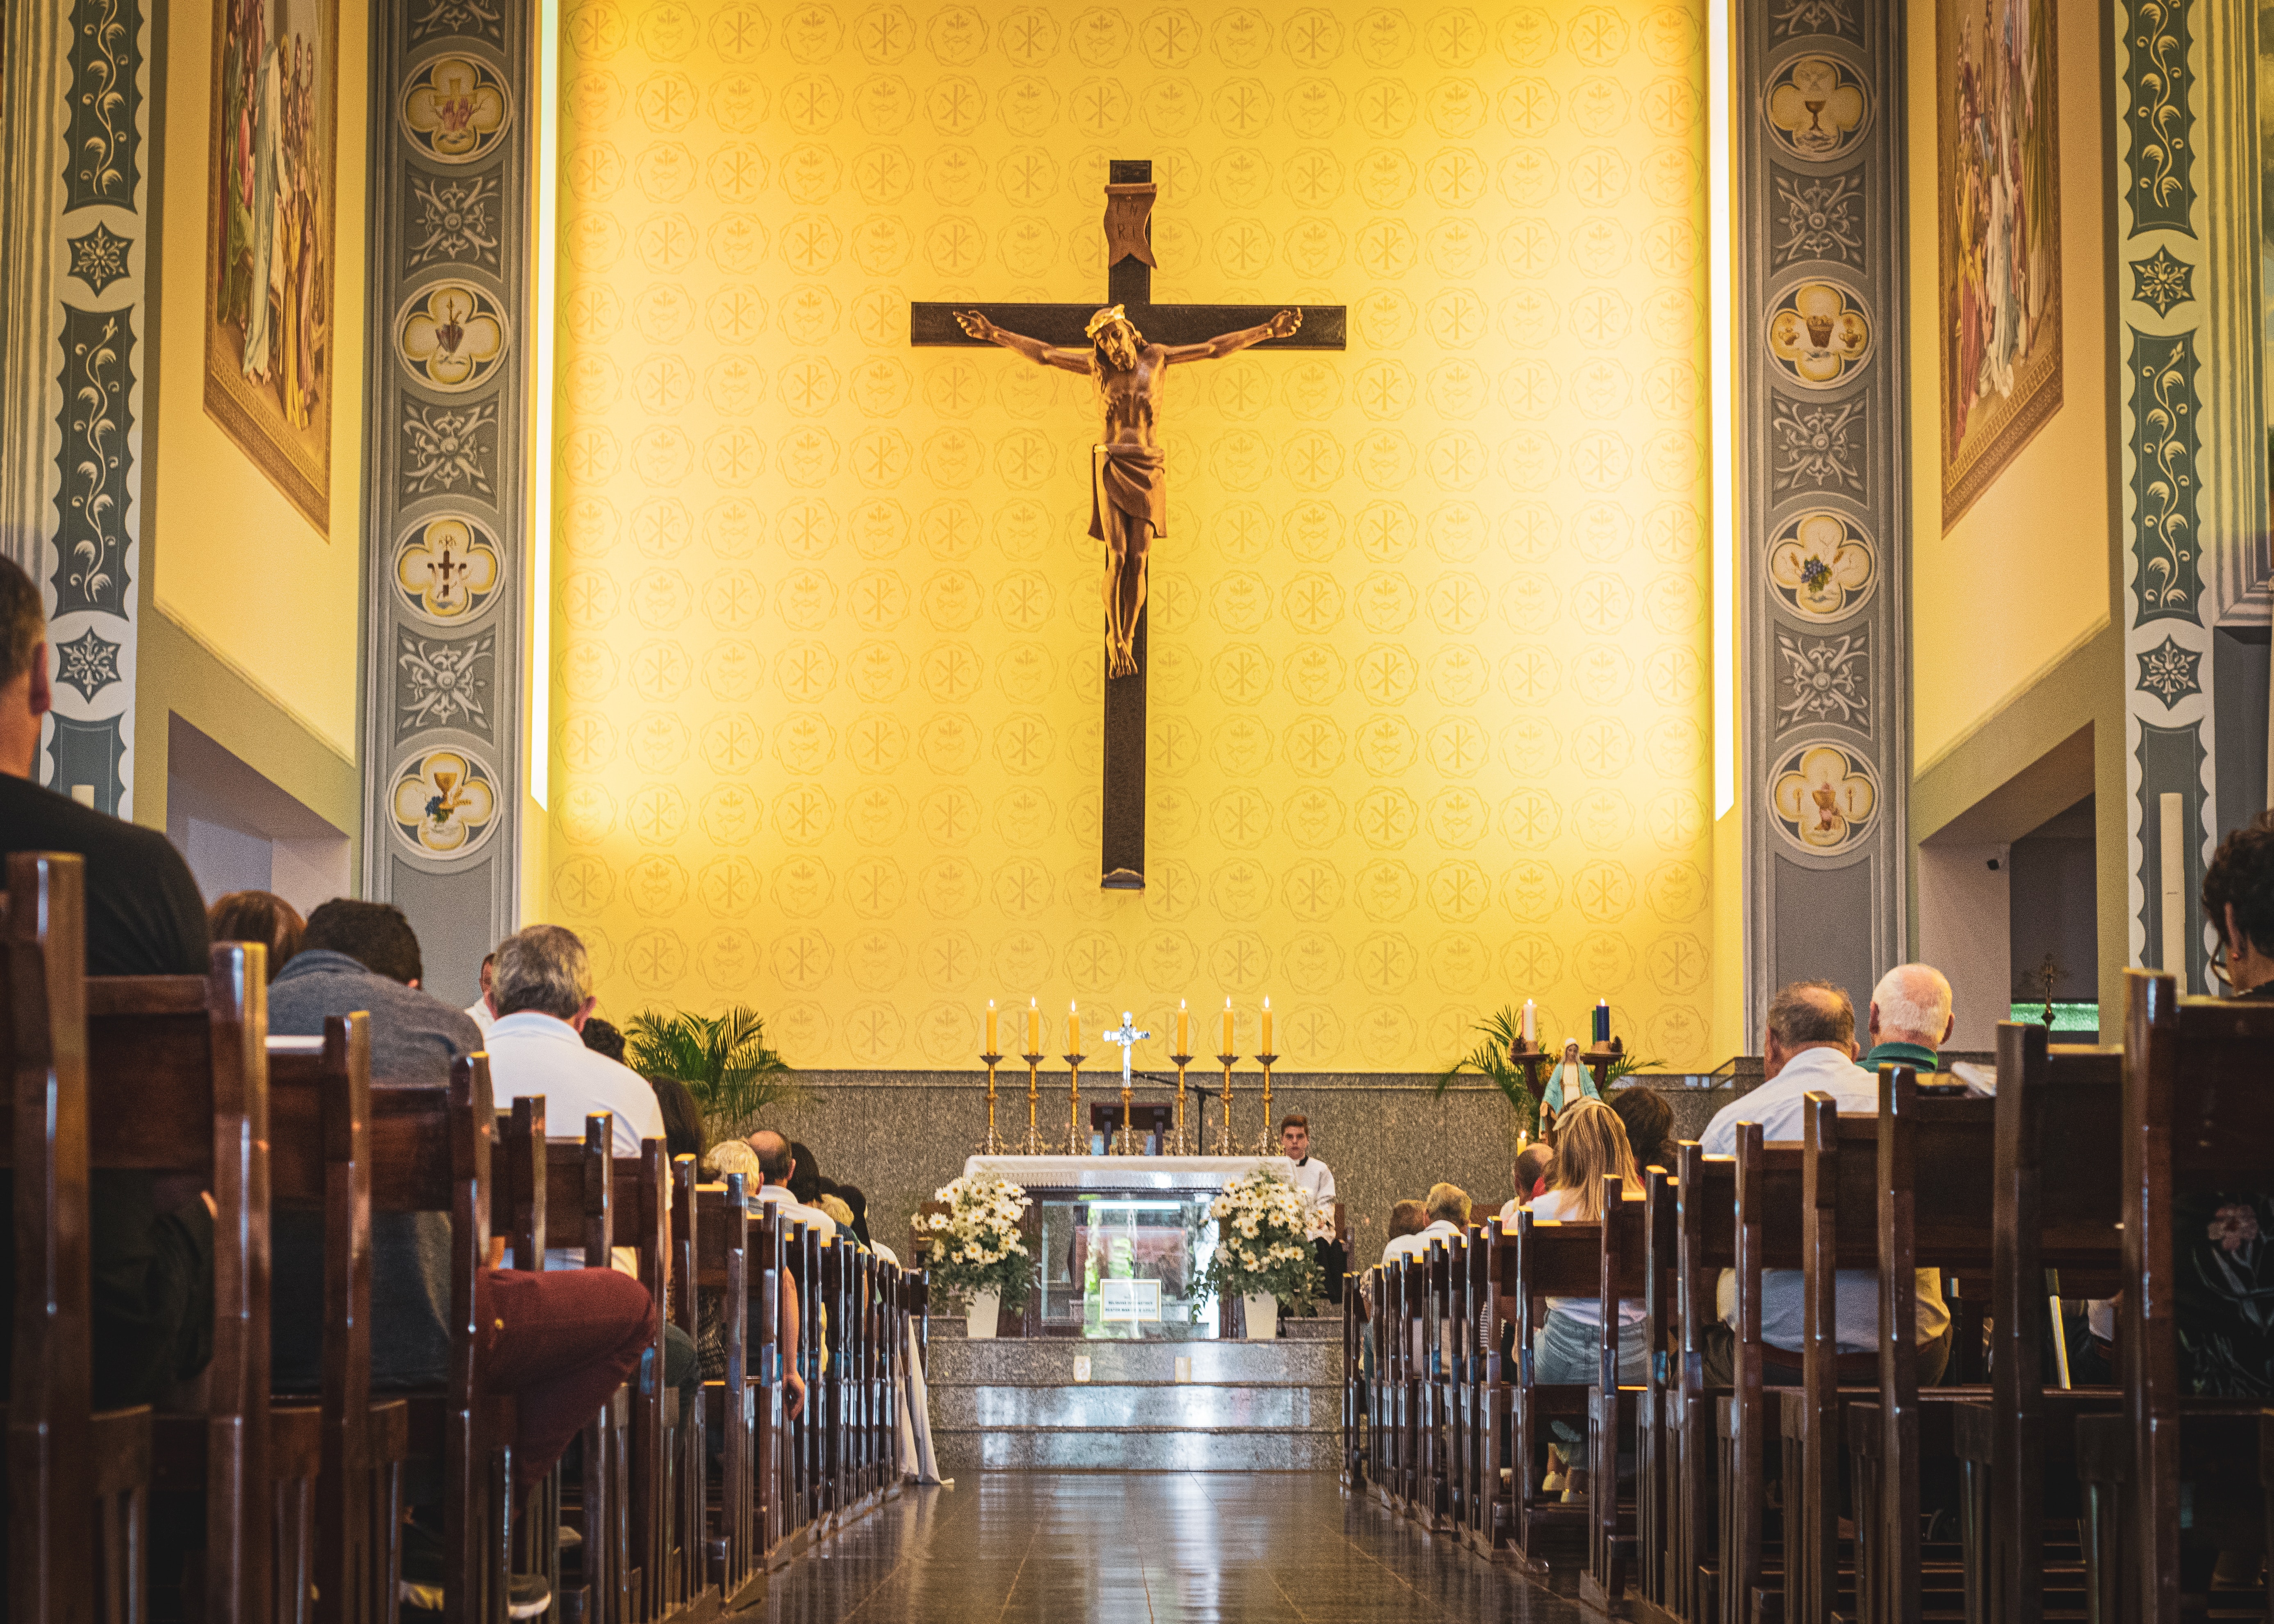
1590	1146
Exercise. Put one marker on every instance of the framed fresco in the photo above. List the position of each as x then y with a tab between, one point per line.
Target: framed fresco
1998	231
270	265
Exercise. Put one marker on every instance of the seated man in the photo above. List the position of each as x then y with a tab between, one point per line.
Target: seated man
1533	1163
1911	1020
1810	1050
150	1239
562	1340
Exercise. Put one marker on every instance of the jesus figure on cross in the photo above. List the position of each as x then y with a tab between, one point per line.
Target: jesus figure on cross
1129	498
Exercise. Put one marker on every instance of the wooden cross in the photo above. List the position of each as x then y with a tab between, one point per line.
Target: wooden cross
1129	194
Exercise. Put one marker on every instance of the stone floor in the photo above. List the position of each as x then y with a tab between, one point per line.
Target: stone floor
1031	1548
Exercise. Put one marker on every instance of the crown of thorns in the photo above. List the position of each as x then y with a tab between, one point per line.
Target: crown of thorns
1105	318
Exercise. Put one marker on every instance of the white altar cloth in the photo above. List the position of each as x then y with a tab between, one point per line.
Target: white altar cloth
1063	1172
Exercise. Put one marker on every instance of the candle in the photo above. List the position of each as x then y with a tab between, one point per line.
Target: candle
1603	1021
1074	1029
1531	1022
1184	1029
1267	1026
1034	1027
1227	1028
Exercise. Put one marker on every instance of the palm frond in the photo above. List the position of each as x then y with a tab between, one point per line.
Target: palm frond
1498	1034
723	1060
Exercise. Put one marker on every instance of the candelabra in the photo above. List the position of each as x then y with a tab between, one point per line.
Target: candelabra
993	1147
1077	1141
1267	1143
1033	1145
1178	1145
1225	1145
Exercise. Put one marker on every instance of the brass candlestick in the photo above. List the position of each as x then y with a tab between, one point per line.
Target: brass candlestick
993	1147
1077	1141
1124	1144
1178	1145
1033	1145
1267	1144
1225	1145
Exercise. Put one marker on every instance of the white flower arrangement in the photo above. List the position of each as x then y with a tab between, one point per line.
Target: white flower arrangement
976	1244
1263	1225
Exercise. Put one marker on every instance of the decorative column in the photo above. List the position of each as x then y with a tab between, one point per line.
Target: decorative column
74	243
1823	488
447	466
2189	422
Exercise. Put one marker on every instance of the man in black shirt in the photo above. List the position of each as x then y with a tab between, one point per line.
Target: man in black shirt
152	1243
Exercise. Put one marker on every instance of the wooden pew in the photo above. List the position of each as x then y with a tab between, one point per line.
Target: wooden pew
720	1264
1705	1243
1541	1260
688	1584
178	1083
1768	1212
2197	1116
1355	1466
1655	1486
768	1264
1613	1410
79	1480
345	1502
2054	1206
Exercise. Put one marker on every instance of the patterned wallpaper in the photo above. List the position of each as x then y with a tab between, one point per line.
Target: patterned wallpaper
1428	664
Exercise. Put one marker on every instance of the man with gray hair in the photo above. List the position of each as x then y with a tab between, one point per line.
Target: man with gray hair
1911	1019
1810	1049
542	987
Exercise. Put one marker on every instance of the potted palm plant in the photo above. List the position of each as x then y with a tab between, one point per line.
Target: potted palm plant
723	1060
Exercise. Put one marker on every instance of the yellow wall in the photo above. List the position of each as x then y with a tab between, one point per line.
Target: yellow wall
2022	580
1428	680
225	548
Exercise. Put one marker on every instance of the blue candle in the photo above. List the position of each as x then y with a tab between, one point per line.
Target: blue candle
1602	1021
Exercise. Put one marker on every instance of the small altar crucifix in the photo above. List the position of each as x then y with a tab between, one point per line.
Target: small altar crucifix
1128	1037
1126	346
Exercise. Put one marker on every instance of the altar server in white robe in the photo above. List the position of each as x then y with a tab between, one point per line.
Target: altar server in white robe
1315	1180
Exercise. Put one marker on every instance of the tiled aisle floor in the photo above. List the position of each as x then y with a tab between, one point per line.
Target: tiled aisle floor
1014	1548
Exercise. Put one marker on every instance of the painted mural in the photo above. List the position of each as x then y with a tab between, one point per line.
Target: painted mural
269	253
1998	238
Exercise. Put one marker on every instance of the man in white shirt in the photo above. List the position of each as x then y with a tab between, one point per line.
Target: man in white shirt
480	1010
1315	1180
1810	1049
1448	1210
776	1166
542	987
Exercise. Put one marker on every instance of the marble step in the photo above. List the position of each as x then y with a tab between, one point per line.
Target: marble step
1134	1449
1015	1362
1118	1406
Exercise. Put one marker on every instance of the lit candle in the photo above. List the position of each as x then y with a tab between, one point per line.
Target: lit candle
991	1026
1074	1029
1603	1021
1267	1026
1034	1027
1227	1027
1531	1022
1184	1029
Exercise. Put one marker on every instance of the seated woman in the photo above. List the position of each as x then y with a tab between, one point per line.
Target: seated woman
1591	1146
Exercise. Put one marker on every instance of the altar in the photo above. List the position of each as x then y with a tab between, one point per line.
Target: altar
1120	1242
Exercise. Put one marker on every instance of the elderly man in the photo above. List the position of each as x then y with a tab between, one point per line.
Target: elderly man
1911	1019
1810	1050
542	987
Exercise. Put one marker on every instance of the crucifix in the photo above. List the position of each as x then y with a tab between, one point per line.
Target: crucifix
1128	1037
1126	347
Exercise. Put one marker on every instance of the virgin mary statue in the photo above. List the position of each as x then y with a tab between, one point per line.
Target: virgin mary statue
1571	1080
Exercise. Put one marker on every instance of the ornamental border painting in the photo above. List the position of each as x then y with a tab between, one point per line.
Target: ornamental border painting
1998	236
271	336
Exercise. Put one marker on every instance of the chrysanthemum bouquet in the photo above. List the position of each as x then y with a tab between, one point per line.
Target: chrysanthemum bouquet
1263	1242
976	1245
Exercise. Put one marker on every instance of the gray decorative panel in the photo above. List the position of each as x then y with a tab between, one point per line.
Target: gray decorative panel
73	226
447	466
2189	432
1823	489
